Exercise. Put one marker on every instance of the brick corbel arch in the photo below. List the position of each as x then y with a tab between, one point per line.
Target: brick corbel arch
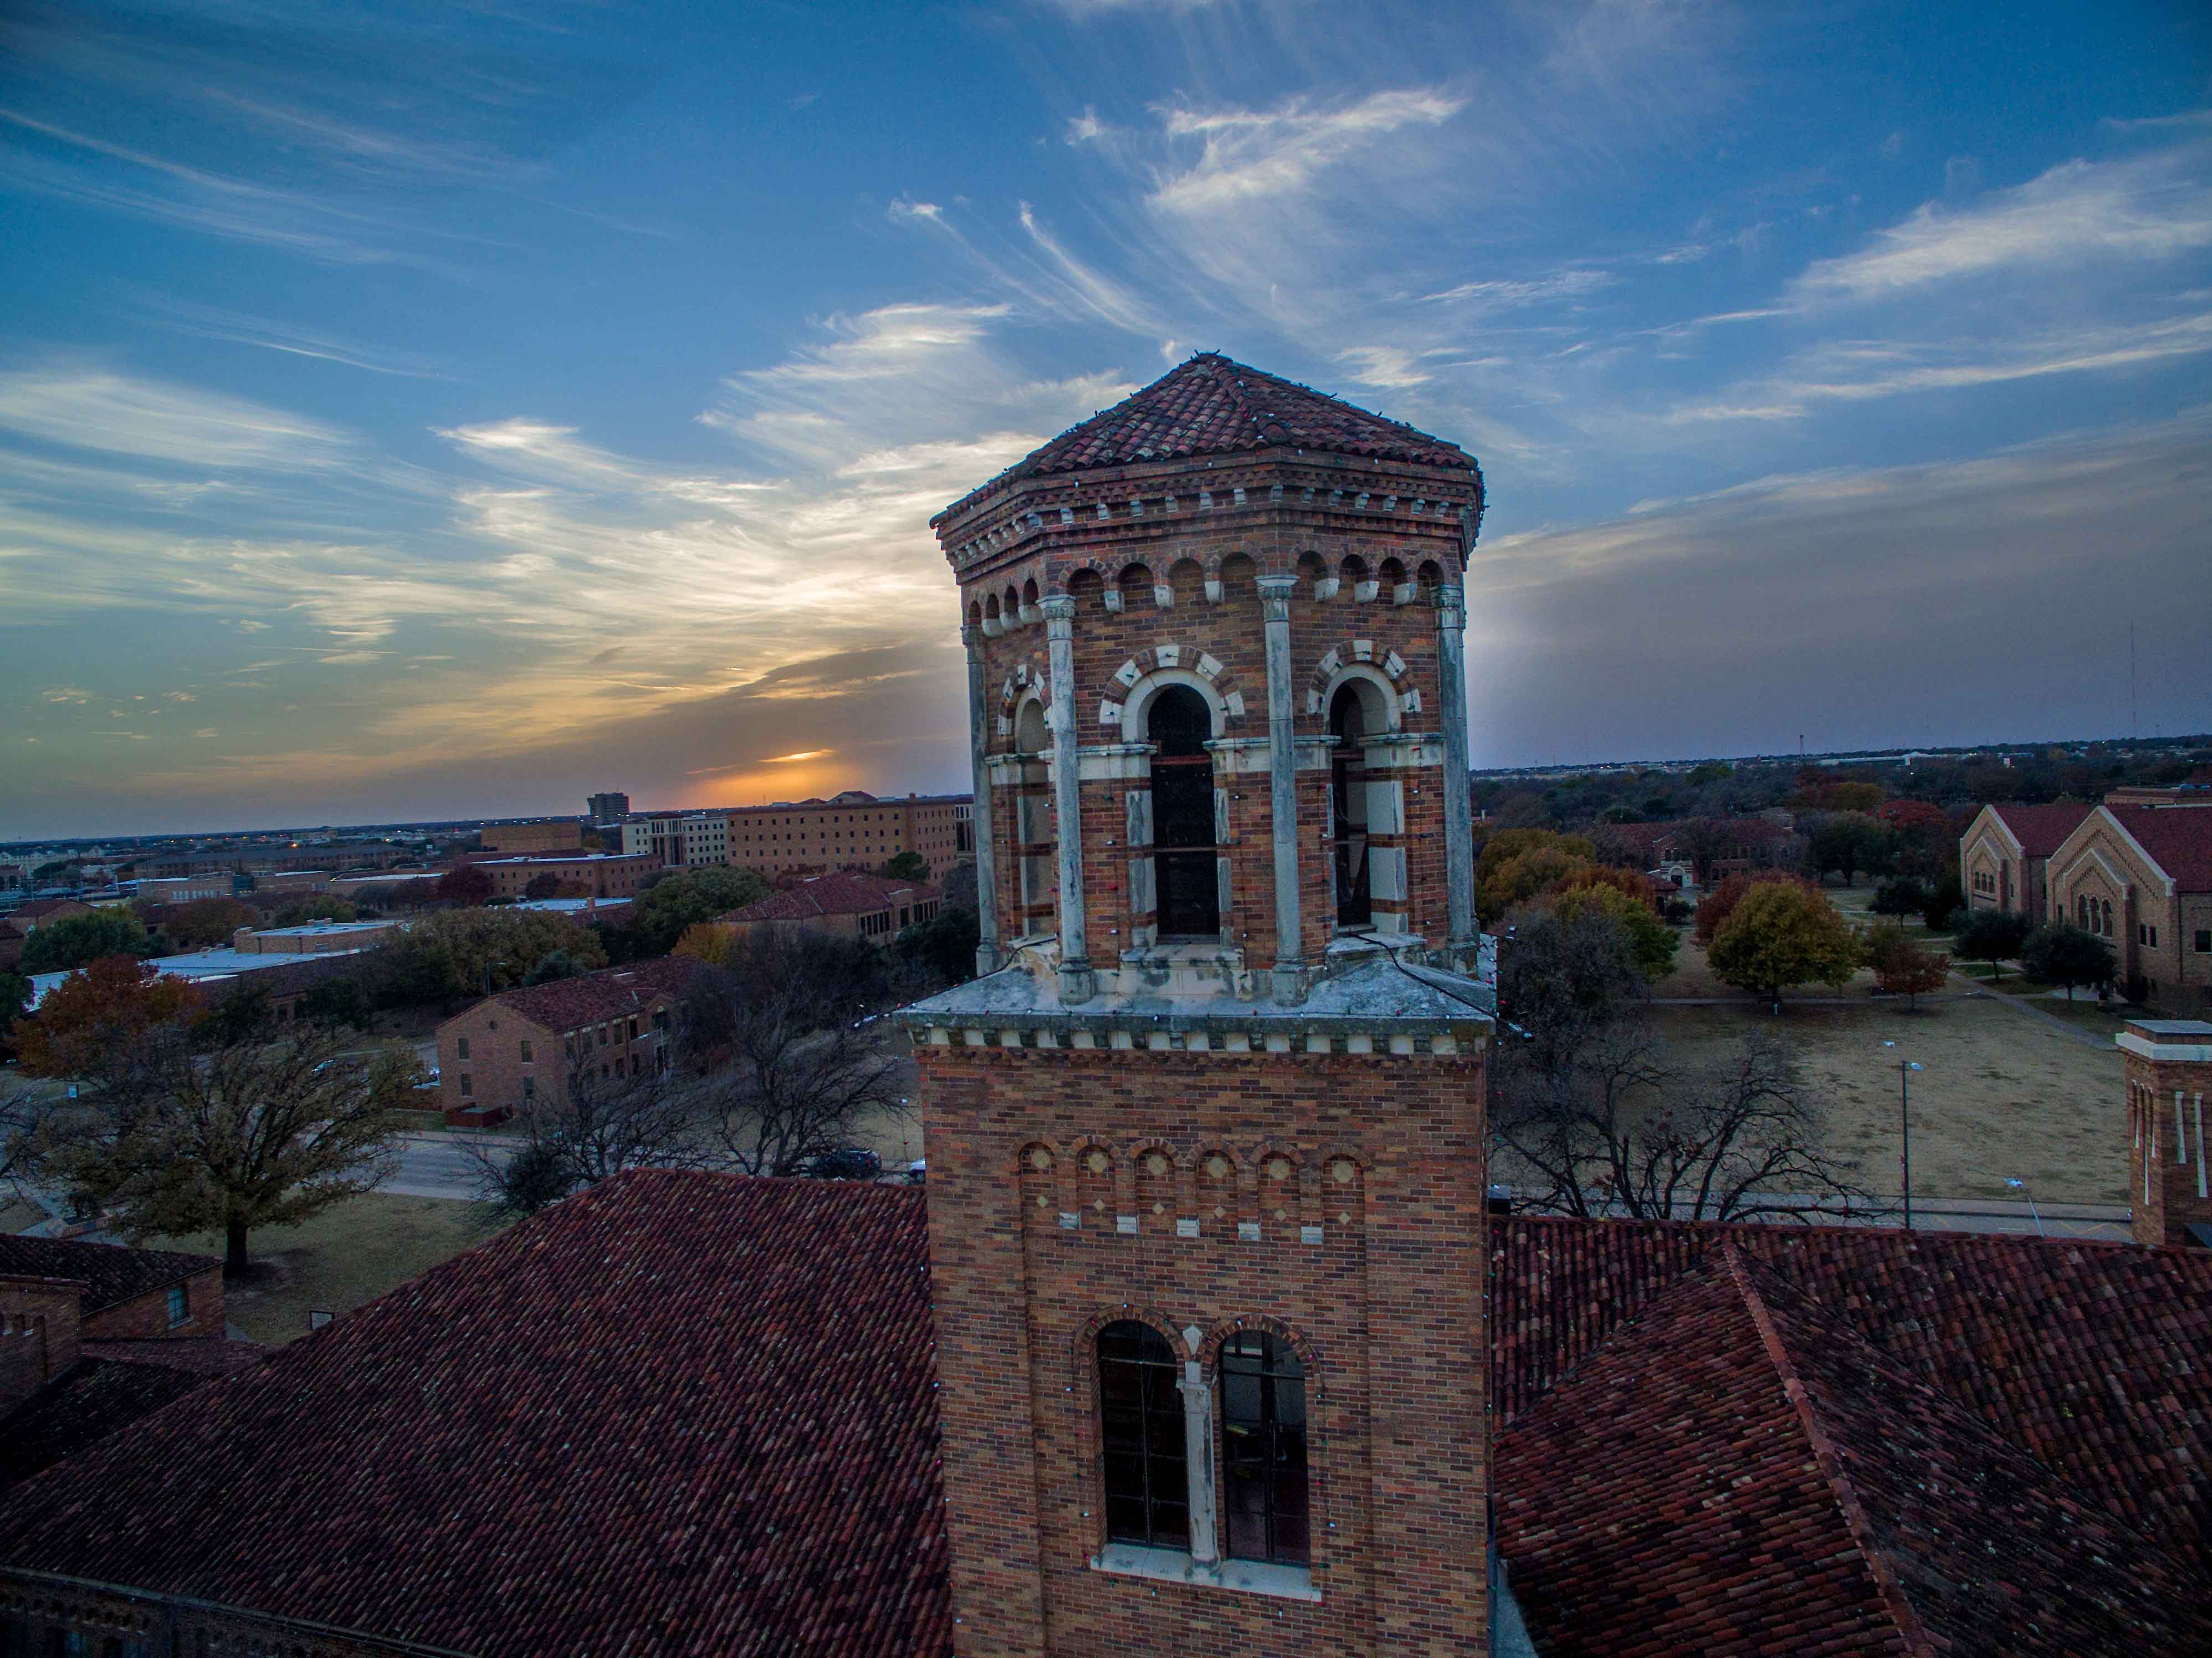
1112	702
1028	675
1363	658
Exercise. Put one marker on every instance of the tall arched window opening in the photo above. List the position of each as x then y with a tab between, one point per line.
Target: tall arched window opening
1348	791
1263	1449
1141	1419
1178	722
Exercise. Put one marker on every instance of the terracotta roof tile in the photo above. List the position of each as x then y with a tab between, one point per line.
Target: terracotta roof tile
678	1413
85	1403
2178	837
111	1274
1210	405
2040	829
841	892
562	1005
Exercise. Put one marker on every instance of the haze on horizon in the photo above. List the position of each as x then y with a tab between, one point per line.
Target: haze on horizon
447	412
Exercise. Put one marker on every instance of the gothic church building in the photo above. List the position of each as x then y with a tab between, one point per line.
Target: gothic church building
1206	1136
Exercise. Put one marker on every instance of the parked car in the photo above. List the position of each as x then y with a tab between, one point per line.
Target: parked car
846	1162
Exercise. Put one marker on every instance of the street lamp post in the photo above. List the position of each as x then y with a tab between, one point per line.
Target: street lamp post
2022	1186
1904	1070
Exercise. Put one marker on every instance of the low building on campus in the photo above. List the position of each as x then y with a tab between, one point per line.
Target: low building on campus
284	977
2004	855
853	830
19	924
2141	878
280	885
315	938
599	1029
601	874
93	1336
182	888
556	835
845	902
612	912
402	885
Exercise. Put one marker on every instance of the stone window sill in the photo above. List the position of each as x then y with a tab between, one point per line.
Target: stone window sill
1173	1566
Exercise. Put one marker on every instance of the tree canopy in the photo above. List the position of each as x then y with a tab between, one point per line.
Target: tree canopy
683	898
462	952
206	921
1995	935
74	941
2062	954
1781	935
907	865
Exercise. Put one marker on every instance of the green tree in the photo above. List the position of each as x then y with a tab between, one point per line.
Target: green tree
683	898
2062	954
452	953
243	1015
15	996
314	906
1850	842
1902	895
206	921
334	1002
1945	900
907	866
1650	940
557	964
1995	935
76	941
1717	906
251	1134
944	947
1781	936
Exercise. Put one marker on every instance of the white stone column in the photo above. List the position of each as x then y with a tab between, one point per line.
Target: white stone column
1275	593
1198	1460
986	816
1077	982
1459	824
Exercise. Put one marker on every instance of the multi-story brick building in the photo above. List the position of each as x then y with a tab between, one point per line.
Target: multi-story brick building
853	830
601	1029
601	874
556	835
608	806
2004	854
1206	1161
2141	878
680	840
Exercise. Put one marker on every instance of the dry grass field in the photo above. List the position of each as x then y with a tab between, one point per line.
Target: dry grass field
348	1254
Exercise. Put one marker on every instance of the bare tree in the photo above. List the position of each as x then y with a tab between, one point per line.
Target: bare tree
803	1060
592	1128
1587	1101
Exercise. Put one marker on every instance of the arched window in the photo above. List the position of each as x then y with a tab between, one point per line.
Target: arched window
1178	721
1263	1449
1348	783
1140	1431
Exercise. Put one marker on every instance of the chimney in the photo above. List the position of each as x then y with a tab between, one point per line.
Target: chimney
38	1332
242	939
2169	1072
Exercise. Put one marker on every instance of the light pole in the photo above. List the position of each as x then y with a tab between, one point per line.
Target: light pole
2022	1186
1904	1069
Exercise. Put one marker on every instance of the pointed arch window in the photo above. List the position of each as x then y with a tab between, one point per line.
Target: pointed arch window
1140	1417
1263	1450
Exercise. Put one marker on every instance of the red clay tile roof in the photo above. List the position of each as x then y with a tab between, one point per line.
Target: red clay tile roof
2028	1335
841	892
678	1413
111	1273
82	1405
1210	405
562	1005
2178	837
200	1355
2040	829
1738	1471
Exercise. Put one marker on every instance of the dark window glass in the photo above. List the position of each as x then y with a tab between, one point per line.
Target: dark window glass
1348	800
1183	857
1263	1449
1140	1432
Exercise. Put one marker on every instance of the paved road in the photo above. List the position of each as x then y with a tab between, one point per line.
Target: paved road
433	1165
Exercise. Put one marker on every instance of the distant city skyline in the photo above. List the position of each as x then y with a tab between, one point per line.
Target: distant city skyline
448	413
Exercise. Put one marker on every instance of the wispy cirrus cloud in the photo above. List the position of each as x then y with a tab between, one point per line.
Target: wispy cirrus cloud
90	407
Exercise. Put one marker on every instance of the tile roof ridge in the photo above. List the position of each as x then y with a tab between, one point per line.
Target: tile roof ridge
1829	1459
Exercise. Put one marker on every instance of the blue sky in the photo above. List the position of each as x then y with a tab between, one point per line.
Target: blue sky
453	409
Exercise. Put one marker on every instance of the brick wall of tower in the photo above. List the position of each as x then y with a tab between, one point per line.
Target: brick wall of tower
1386	1310
2169	1183
1180	556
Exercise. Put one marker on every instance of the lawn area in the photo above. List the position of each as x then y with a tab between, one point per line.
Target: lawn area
334	1261
2002	1095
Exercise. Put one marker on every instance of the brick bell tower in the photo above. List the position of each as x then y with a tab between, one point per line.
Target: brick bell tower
2169	1072
1207	1137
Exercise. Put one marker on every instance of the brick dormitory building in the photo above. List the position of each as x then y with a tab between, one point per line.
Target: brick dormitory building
1200	1339
854	829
